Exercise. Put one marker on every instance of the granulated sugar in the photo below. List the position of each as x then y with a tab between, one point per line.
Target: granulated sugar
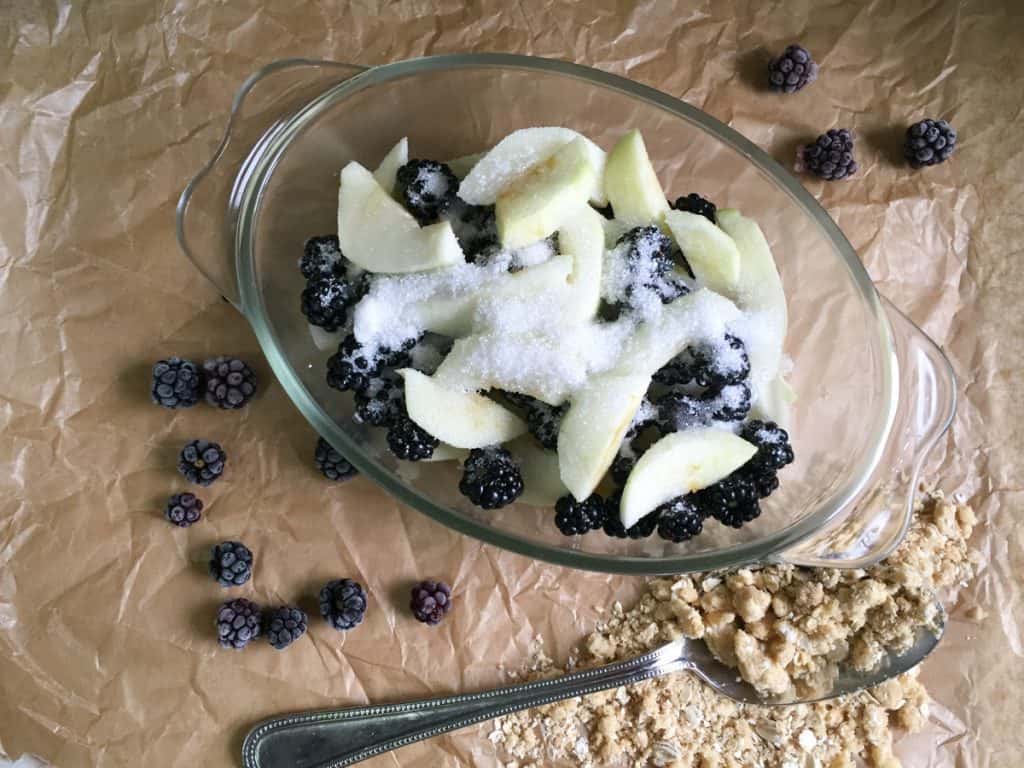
677	721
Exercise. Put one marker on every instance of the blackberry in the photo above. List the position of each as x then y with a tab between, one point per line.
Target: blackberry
183	509
321	257
430	601
230	383
793	70
427	188
929	142
613	526
343	603
475	228
647	256
830	157
732	501
678	411
728	403
719	366
773	449
176	383
679	519
694	203
327	300
490	478
737	517
231	563
765	482
238	622
332	464
408	440
382	402
202	461
574	518
621	467
678	370
543	421
352	367
285	625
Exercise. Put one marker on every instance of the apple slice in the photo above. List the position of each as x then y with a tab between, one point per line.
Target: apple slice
708	250
461	166
461	419
325	340
517	154
445	452
582	237
773	402
542	485
632	185
388	168
379	235
592	430
535	204
681	463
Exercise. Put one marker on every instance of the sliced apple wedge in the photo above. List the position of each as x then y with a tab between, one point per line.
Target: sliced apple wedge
582	237
535	204
325	340
774	401
461	166
632	185
445	452
388	168
542	485
681	463
517	154
592	430
379	235
461	419
710	252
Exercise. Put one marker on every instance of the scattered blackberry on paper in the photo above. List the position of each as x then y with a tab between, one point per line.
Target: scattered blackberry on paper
430	601
929	142
176	383
183	509
830	157
238	623
231	563
202	461
332	464
792	71
230	383
343	604
285	625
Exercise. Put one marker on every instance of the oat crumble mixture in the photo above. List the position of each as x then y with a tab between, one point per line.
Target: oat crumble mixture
783	628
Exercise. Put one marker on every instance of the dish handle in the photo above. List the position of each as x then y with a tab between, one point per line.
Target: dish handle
882	514
206	213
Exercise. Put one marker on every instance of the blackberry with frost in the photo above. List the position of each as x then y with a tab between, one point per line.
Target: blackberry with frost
202	461
343	604
793	70
491	478
929	142
326	301
773	448
321	257
231	563
694	203
648	262
285	625
575	518
679	519
183	509
230	383
678	411
352	367
332	464
408	440
719	366
830	157
427	188
176	383
475	227
430	601
238	623
613	526
728	403
382	402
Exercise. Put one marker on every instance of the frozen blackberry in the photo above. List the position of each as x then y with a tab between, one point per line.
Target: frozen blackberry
772	441
543	421
332	464
613	526
231	563
343	603
694	203
321	257
574	518
830	157
929	142
646	269
793	70
176	383
427	188
202	461
678	370
230	383
352	367
408	440
721	364
382	402
678	411
728	403
475	228
238	623
491	478
285	625
679	519
183	509
430	601
732	501
326	301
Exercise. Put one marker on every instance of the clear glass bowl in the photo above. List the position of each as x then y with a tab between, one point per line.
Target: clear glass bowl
874	392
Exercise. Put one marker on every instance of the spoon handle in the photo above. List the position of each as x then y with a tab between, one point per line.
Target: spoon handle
341	737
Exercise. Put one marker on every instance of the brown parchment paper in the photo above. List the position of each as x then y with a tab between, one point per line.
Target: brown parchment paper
106	652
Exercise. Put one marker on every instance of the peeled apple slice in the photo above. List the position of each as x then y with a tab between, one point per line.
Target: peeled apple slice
681	463
542	485
461	166
461	419
517	154
582	238
773	402
592	430
388	168
710	252
325	340
445	452
379	235
537	203
632	185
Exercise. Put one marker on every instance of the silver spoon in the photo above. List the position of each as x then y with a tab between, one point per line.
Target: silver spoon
341	737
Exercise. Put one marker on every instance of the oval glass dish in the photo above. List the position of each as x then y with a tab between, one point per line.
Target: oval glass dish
874	392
